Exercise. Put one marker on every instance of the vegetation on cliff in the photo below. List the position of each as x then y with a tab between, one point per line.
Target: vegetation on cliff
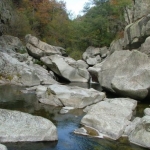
49	20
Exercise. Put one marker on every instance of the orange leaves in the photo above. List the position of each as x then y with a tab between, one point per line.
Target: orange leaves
114	2
44	12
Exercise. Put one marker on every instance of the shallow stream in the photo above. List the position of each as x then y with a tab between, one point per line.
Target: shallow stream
12	98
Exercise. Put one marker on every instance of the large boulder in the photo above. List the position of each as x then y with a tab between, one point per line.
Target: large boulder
131	78
38	49
17	126
67	68
109	117
136	33
109	67
126	73
141	134
61	95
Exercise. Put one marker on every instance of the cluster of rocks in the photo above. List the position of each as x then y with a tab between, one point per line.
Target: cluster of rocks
54	59
93	55
111	118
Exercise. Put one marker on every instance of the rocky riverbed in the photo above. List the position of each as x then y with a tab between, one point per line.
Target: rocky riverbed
12	98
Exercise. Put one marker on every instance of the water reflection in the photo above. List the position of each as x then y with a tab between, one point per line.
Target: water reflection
12	98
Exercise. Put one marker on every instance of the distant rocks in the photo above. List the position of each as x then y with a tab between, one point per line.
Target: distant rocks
17	126
94	55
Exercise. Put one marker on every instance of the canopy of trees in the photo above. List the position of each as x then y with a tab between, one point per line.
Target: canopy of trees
49	20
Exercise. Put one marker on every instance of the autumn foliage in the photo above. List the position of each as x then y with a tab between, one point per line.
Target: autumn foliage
49	20
46	19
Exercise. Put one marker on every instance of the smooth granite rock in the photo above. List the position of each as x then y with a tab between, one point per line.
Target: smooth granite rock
61	95
17	126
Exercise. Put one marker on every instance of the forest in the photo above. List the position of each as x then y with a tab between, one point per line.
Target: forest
49	20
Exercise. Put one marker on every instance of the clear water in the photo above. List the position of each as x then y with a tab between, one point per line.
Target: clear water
12	98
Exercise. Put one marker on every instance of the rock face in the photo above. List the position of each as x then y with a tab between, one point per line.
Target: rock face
16	126
67	68
141	134
94	55
128	76
110	118
38	49
60	95
136	10
136	33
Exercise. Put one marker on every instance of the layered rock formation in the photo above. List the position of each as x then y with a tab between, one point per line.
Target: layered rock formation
136	33
136	10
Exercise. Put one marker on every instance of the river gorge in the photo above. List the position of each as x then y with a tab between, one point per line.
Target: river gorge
12	98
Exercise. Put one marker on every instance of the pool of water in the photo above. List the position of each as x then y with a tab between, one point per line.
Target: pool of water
12	98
